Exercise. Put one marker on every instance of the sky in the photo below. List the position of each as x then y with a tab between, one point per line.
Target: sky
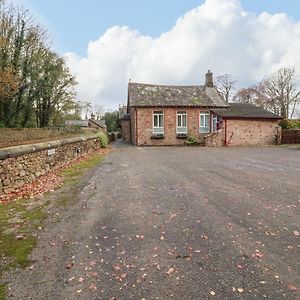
168	41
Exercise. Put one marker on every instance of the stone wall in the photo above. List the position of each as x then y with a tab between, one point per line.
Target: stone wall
23	164
145	127
252	132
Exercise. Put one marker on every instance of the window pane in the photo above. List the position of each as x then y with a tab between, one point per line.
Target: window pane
161	122
179	120
184	120
202	120
155	120
206	117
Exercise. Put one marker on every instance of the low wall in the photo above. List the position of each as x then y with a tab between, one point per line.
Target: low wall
24	164
214	139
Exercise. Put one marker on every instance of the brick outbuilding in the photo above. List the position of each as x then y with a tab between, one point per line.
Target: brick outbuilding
169	115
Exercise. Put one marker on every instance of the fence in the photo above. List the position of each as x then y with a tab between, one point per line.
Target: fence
290	136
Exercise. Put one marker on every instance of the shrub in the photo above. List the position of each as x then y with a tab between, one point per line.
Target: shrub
191	140
289	124
103	140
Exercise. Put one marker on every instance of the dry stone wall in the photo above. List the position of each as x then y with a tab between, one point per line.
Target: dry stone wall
24	164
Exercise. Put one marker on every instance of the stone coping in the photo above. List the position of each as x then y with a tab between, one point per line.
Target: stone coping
31	148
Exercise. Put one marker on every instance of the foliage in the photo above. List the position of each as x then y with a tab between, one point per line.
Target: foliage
190	141
112	121
277	92
290	124
103	140
36	87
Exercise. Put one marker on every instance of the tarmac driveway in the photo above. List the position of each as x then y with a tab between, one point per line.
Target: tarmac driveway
175	223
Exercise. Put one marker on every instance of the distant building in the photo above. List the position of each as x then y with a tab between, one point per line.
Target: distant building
89	123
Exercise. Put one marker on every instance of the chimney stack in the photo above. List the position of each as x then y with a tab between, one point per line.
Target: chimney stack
209	79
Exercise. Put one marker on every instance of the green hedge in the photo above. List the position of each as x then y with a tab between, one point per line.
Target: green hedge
103	140
290	124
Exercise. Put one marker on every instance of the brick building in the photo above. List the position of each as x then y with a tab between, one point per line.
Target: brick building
168	115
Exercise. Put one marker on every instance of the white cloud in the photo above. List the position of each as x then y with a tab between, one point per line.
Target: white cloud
218	35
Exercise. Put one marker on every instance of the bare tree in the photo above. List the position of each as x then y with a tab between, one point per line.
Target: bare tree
281	93
277	93
98	111
252	95
225	85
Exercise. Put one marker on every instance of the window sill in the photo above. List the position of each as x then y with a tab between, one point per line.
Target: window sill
181	136
157	136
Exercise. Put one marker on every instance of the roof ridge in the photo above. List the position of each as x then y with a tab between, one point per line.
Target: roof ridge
164	85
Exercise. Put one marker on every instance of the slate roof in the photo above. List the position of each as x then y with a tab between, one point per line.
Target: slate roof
100	123
151	95
245	111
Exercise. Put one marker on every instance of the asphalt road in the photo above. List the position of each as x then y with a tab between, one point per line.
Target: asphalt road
174	223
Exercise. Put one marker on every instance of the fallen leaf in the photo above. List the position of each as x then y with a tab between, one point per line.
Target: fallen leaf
117	268
94	274
93	263
170	271
292	288
69	265
258	254
240	290
296	233
92	287
81	280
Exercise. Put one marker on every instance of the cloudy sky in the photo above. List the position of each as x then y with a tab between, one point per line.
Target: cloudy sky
169	42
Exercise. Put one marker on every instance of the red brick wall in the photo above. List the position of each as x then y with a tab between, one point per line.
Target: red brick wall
145	126
251	132
133	125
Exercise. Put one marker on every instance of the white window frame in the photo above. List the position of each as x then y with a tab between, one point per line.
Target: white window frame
158	129
181	129
202	127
